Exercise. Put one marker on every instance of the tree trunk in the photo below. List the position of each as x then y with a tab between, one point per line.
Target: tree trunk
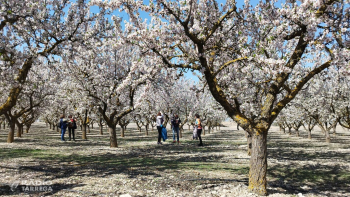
334	130
309	134
27	128
112	136
139	128
101	129
328	137
290	130
297	132
203	130
58	129
189	127
122	131
88	128
258	164
50	126
146	127
83	132
19	131
249	143
11	135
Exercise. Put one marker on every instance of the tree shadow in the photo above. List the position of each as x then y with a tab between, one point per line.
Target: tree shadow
310	178
149	161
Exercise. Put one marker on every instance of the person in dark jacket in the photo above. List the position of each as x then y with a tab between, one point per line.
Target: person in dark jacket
175	124
63	126
72	125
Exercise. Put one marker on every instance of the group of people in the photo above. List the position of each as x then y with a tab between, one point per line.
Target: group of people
69	123
175	125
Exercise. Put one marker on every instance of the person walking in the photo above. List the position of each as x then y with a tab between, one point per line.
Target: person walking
175	123
72	125
159	123
63	126
199	129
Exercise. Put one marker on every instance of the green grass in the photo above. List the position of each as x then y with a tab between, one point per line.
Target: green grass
7	153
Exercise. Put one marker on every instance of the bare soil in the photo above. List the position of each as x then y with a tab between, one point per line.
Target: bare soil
297	166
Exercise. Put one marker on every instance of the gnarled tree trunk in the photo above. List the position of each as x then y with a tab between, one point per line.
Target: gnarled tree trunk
19	130
112	136
11	134
258	164
83	132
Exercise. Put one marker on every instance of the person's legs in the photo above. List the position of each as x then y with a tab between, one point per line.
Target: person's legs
174	130
69	133
62	134
159	133
73	134
199	132
177	134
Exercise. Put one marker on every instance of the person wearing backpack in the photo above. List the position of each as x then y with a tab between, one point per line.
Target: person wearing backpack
159	123
63	125
175	124
199	129
72	125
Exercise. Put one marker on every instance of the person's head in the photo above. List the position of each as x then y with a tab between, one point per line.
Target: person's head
70	116
176	116
197	115
159	114
62	116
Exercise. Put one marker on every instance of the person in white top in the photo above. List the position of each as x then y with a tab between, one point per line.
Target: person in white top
159	123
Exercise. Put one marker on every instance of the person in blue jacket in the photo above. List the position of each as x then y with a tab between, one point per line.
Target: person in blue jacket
63	125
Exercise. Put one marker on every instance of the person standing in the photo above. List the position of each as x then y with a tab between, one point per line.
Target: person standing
199	129
159	123
72	125
175	123
63	126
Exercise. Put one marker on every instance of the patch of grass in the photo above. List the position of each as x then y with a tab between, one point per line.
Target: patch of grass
7	153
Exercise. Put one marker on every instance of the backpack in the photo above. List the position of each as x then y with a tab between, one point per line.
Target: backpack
70	124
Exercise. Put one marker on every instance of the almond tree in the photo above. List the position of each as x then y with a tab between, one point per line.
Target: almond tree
110	76
30	29
254	60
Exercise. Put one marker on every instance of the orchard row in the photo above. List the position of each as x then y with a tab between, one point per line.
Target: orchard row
253	61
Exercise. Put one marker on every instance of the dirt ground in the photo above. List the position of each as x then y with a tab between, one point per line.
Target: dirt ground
39	164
